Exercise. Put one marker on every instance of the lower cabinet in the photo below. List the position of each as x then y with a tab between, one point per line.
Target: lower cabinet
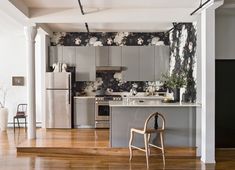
84	112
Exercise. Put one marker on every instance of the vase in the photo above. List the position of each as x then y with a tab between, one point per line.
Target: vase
3	119
176	94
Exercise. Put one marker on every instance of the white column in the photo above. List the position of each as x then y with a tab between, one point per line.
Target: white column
208	86
30	33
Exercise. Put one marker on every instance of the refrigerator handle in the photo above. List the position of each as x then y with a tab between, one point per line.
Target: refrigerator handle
69	79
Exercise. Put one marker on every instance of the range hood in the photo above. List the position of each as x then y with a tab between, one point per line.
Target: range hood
110	68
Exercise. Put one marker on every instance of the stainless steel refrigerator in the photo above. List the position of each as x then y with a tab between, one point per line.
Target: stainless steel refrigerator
58	100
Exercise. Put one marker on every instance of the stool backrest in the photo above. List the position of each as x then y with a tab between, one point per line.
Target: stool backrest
21	109
155	115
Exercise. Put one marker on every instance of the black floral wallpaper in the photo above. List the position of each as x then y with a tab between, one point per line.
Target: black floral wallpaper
183	41
109	39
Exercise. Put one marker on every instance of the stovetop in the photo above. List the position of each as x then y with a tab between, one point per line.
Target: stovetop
108	97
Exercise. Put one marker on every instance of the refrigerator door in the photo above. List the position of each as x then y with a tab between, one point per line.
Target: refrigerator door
58	109
60	80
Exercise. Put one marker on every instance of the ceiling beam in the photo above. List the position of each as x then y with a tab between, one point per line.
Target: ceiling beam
111	15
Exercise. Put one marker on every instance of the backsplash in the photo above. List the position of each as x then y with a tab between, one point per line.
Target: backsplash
110	81
109	39
183	41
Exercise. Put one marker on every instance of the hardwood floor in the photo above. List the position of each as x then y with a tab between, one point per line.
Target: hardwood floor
9	159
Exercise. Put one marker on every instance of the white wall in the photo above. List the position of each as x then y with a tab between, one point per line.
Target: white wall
225	37
13	63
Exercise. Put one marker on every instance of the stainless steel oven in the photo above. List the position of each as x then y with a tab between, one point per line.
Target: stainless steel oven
102	114
102	110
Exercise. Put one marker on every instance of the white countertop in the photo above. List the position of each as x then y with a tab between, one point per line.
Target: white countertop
150	103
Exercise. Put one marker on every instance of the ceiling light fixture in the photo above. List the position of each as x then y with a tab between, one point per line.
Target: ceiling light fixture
202	6
81	8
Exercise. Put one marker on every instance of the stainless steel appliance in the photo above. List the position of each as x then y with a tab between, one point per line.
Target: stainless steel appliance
58	100
102	109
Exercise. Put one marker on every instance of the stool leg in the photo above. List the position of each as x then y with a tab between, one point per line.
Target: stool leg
18	123
162	146
14	124
146	149
130	143
25	124
149	136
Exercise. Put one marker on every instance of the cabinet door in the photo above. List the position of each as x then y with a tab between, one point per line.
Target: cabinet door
69	56
130	60
84	113
102	56
162	57
115	56
85	64
147	71
55	55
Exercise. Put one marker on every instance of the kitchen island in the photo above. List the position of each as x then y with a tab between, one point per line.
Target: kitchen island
180	121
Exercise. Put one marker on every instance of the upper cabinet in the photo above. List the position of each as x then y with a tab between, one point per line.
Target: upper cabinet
162	60
55	55
146	67
115	56
102	56
130	60
85	64
142	63
108	56
69	56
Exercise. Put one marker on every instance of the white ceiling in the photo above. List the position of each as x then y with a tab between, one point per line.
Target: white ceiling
112	3
103	15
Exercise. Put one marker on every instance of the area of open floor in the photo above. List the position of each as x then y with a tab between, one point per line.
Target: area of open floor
10	159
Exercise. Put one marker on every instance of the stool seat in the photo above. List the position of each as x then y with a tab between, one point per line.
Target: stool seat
147	135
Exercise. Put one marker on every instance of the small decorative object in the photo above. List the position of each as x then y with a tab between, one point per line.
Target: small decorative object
64	67
133	90
174	82
3	109
17	81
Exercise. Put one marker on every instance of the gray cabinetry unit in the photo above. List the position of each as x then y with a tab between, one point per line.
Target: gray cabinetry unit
146	69
85	64
84	115
130	60
162	57
69	56
55	55
102	56
115	56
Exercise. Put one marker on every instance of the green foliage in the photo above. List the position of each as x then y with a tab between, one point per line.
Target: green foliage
174	80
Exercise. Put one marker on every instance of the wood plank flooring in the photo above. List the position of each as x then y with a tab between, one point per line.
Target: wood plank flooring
9	159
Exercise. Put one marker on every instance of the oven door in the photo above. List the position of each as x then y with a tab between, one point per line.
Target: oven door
102	110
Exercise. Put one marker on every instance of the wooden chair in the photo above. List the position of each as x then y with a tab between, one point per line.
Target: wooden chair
146	131
20	114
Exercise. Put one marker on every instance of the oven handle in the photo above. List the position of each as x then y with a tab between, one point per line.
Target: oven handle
101	103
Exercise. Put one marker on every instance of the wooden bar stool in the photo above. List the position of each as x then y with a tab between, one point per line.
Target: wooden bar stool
20	114
147	131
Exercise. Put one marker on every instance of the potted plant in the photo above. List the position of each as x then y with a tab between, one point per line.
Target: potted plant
3	110
174	82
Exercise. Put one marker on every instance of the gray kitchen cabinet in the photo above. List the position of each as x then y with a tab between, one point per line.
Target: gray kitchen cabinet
85	64
102	56
162	60
115	56
130	60
84	115
55	55
69	55
146	69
